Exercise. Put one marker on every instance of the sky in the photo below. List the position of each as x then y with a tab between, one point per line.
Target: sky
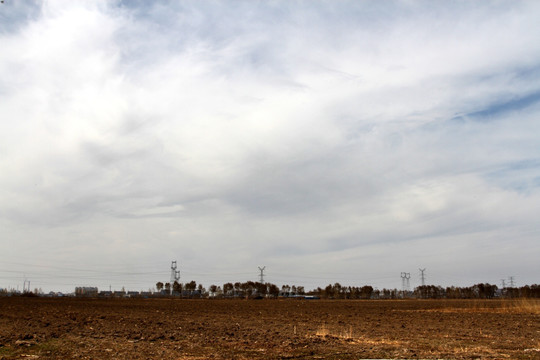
329	141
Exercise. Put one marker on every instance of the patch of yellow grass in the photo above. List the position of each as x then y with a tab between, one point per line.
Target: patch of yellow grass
338	333
322	331
527	306
375	342
347	334
477	350
513	306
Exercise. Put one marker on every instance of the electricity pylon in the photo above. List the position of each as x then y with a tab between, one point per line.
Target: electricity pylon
261	275
175	275
422	277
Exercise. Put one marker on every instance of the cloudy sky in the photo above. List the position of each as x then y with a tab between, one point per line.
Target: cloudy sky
330	141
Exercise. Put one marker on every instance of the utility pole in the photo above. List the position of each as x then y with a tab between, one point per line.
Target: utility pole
261	275
422	276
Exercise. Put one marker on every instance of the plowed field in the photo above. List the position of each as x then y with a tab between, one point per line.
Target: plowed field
267	329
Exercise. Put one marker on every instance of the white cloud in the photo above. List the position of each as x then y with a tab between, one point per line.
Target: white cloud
307	137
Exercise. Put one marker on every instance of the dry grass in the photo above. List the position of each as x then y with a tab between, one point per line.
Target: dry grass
347	335
473	345
445	347
338	333
523	306
514	306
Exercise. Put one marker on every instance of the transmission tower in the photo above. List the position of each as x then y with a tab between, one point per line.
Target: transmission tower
405	284
503	282
408	277
261	275
175	275
422	277
511	279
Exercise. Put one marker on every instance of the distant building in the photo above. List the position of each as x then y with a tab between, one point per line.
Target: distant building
119	293
146	294
86	291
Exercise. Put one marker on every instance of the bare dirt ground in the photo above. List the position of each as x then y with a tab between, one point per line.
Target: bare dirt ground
267	329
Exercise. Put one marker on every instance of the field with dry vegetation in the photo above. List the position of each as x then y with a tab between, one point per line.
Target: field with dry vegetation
70	328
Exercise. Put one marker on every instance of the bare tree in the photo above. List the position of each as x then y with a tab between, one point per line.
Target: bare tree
228	288
177	287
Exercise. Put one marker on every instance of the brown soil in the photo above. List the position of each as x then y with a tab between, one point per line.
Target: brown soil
267	329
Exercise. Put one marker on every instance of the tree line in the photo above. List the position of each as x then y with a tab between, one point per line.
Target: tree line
238	289
251	289
478	291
